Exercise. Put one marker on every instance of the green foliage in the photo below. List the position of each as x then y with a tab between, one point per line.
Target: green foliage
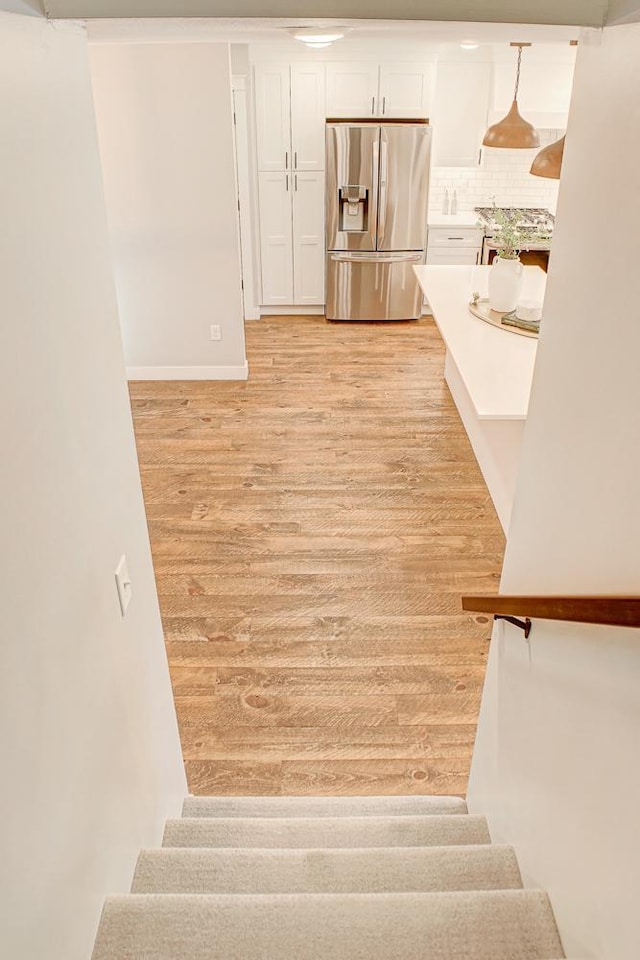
508	238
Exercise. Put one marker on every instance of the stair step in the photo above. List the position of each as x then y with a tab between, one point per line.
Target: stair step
274	832
376	870
496	925
321	806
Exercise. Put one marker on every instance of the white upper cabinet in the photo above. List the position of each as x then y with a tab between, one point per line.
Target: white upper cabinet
460	112
360	90
405	90
544	94
290	115
352	90
273	123
307	115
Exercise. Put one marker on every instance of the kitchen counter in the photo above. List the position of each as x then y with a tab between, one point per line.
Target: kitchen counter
468	218
488	371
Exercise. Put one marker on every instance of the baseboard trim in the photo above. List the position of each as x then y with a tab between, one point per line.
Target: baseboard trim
229	372
303	311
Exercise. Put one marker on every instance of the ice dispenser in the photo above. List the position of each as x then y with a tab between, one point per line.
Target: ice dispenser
353	208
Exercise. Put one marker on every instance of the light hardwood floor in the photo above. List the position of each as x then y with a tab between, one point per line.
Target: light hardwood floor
312	532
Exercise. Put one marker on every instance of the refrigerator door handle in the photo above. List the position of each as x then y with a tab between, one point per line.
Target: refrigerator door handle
373	200
356	257
382	202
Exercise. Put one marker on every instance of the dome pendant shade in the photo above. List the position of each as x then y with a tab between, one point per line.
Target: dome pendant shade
512	132
548	163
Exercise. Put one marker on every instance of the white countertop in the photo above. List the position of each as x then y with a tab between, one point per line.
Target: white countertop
468	218
496	366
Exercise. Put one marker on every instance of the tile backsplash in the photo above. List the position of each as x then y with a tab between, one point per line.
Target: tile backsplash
502	174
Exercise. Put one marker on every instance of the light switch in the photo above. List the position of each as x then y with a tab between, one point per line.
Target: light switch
123	583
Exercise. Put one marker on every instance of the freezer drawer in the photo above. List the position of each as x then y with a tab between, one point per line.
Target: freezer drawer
376	286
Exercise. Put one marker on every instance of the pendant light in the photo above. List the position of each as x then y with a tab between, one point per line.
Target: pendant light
548	162
513	132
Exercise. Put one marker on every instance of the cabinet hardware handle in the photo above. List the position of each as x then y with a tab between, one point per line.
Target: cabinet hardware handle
286	159
384	105
287	179
373	105
296	178
295	160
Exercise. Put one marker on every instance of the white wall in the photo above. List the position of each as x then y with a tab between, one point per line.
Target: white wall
89	756
166	137
557	760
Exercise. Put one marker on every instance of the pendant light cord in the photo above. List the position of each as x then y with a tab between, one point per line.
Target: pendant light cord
515	95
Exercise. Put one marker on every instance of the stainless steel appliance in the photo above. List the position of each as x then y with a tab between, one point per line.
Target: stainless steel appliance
536	223
376	218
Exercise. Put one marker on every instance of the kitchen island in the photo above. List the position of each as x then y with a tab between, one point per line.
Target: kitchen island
488	371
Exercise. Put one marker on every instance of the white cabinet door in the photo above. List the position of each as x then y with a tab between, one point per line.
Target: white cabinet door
454	236
461	107
273	125
307	115
352	90
308	238
275	237
544	93
405	90
459	255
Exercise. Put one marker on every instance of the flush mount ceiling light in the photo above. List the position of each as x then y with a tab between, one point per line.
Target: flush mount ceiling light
316	38
513	132
548	163
469	45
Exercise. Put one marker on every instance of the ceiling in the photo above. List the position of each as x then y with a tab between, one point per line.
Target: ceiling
274	30
569	12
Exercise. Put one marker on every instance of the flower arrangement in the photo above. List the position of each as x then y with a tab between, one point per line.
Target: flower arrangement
508	238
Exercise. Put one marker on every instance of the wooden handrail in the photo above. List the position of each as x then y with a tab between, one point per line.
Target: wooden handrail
612	611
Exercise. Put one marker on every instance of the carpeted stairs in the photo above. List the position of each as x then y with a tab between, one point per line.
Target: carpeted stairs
335	878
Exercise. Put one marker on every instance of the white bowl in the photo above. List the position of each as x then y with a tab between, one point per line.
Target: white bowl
530	310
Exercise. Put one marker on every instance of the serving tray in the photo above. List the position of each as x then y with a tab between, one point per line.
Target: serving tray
483	311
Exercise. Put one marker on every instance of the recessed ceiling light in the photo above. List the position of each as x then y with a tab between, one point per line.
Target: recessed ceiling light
469	45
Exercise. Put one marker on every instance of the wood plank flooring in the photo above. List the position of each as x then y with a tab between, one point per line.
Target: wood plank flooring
312	531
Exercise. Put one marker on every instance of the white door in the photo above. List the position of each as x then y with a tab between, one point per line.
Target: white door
461	107
405	90
307	115
275	237
352	90
273	124
308	238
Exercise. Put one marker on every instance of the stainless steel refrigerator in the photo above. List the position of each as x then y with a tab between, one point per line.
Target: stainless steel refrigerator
377	184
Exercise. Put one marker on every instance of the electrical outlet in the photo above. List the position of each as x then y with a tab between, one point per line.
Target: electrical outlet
214	331
123	585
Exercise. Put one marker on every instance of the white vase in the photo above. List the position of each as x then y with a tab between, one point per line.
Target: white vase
505	283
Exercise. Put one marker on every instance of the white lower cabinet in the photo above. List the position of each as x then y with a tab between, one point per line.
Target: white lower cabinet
292	238
276	241
454	245
308	238
460	256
